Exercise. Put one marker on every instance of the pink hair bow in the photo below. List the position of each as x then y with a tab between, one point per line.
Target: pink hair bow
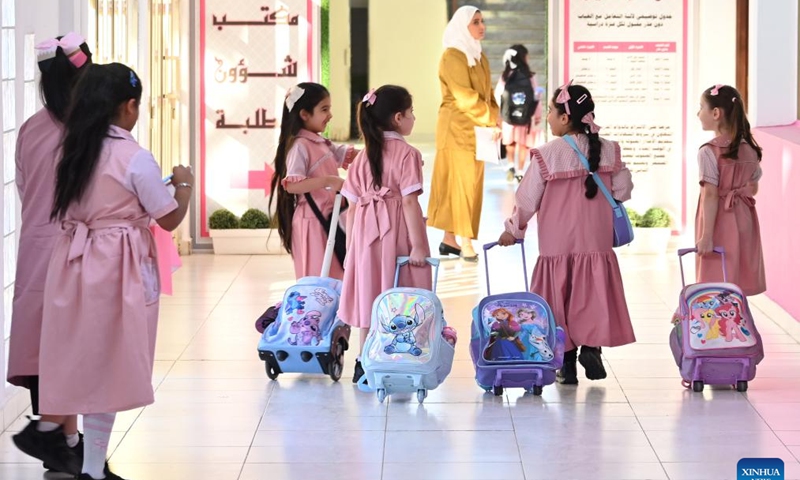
588	119
715	89
69	43
370	97
563	96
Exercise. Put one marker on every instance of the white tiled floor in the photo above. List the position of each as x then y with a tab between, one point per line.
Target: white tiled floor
217	416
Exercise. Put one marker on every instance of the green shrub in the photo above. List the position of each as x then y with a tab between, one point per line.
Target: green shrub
223	219
635	218
656	218
254	218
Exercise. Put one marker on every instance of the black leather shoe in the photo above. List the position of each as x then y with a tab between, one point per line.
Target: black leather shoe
445	249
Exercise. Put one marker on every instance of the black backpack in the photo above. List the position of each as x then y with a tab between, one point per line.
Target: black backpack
518	104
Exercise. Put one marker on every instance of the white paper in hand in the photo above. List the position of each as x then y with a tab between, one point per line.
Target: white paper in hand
487	148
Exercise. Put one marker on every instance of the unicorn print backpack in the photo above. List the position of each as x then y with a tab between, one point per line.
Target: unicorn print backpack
406	350
714	339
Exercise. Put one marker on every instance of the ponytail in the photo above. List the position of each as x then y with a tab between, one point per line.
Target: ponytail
729	101
97	97
580	105
303	96
375	116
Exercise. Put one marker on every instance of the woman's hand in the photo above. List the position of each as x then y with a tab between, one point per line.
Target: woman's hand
506	239
705	246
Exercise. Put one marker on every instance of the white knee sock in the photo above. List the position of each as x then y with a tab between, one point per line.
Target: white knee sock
96	434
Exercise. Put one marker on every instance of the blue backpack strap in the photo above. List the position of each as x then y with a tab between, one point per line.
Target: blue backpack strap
585	162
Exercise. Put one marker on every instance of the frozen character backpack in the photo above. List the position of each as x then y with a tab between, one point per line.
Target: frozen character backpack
409	347
515	341
714	339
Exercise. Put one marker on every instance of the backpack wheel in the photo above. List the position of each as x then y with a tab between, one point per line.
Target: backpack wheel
381	394
697	386
741	386
537	390
272	373
421	394
498	390
337	361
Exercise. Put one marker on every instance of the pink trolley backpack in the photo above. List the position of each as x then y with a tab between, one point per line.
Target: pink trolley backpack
714	340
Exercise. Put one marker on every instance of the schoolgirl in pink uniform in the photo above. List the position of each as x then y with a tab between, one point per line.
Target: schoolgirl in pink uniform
730	168
385	219
307	170
577	271
102	289
54	440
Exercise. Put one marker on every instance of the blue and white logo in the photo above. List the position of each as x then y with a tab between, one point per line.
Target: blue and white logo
760	469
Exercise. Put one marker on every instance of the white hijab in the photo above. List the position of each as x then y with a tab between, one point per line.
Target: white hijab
456	35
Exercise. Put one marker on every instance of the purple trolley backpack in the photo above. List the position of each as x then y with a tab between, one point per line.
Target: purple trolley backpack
714	341
515	341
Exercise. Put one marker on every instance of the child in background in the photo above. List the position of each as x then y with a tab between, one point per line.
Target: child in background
385	220
307	179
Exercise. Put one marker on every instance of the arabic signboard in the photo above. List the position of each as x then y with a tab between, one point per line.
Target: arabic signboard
632	57
252	52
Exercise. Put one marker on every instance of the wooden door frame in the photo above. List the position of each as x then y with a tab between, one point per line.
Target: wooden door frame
742	46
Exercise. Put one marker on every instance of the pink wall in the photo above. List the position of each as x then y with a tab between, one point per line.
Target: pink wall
778	204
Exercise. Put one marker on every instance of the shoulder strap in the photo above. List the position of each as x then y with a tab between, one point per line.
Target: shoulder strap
340	244
585	162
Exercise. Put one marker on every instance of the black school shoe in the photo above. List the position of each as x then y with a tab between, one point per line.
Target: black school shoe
49	447
568	373
593	363
109	476
358	373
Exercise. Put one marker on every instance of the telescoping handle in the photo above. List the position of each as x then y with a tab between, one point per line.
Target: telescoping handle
718	250
434	262
489	246
326	262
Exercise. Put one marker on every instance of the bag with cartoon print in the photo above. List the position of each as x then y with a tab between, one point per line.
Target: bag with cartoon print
714	339
409	348
305	335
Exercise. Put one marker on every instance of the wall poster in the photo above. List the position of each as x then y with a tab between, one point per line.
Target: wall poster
632	56
251	53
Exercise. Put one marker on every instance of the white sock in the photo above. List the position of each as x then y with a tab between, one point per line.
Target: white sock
46	426
72	440
97	432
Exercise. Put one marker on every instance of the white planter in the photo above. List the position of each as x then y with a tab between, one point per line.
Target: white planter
648	241
245	241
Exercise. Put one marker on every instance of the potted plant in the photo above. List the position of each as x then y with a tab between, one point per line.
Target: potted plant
651	231
253	234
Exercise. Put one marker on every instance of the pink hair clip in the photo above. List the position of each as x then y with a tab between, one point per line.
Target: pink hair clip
588	119
715	89
563	96
370	97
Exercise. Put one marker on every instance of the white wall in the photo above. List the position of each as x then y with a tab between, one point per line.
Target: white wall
405	45
773	62
339	127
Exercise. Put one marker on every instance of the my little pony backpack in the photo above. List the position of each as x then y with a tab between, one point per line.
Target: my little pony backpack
714	340
407	349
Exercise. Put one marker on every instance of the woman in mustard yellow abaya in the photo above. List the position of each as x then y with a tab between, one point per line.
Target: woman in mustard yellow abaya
467	102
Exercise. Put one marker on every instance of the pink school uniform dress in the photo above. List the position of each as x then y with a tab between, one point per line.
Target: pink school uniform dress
36	157
311	156
577	272
519	134
379	232
102	289
736	229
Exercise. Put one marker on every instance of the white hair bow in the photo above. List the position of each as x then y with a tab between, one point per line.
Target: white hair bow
508	55
293	96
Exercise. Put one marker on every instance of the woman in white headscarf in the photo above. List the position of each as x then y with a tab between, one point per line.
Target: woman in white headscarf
467	101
